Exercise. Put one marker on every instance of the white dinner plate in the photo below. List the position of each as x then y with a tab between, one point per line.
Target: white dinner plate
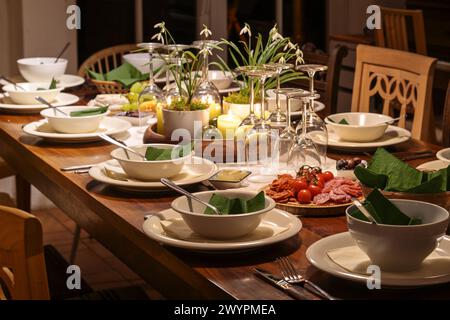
272	219
70	80
234	87
433	165
109	126
62	99
318	257
200	170
295	103
444	155
393	135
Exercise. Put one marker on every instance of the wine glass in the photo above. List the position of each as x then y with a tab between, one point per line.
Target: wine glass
151	95
251	119
278	117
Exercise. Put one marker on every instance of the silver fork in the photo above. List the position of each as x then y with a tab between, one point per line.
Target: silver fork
291	275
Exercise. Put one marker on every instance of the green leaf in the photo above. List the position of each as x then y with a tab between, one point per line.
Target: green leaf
369	178
161	154
53	84
257	203
431	186
344	121
89	112
236	206
384	211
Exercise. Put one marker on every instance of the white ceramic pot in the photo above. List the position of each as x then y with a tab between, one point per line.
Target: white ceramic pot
191	121
240	110
41	69
221	226
401	248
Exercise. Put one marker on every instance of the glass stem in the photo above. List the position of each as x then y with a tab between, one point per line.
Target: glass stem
252	97
205	67
288	109
311	83
150	59
304	121
278	96
263	98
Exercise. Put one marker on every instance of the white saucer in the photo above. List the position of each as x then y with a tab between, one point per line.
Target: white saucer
393	135
62	99
318	257
70	80
234	87
200	170
271	97
273	219
433	165
444	155
109	126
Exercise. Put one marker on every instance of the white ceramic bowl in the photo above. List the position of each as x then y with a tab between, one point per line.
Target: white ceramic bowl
444	155
64	124
401	248
142	170
222	80
41	69
28	96
362	127
221	226
140	61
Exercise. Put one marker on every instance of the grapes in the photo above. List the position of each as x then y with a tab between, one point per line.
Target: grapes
341	164
350	164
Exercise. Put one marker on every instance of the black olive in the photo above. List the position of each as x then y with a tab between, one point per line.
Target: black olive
341	164
357	160
350	164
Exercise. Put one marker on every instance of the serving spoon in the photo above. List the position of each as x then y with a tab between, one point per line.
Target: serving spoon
62	52
12	82
363	210
48	104
189	195
121	145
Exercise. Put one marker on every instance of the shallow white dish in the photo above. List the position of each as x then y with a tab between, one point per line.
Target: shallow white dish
433	165
140	61
318	257
273	219
361	127
73	125
70	80
296	106
393	135
444	155
62	99
28	96
41	69
109	126
200	170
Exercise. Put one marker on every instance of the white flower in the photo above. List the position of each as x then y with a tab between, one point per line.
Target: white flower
207	50
205	32
160	25
299	53
282	60
246	30
159	37
276	36
289	46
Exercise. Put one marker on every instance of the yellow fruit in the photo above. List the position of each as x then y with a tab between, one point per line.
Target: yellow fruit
149	106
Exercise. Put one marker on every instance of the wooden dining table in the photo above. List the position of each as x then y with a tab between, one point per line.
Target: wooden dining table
115	219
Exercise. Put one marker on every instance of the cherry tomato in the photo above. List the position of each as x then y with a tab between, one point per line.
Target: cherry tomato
314	189
304	196
299	184
320	180
317	182
328	175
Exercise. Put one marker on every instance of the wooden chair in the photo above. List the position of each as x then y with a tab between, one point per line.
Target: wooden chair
446	120
23	188
326	83
398	78
22	265
104	61
394	31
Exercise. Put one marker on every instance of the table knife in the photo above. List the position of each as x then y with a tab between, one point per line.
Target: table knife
81	167
281	284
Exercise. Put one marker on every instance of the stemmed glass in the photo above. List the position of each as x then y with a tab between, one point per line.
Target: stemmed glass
313	126
251	72
172	92
278	117
152	95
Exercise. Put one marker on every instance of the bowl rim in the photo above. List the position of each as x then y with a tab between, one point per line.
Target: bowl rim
152	162
327	120
441	157
393	226
25	61
74	118
270	207
10	88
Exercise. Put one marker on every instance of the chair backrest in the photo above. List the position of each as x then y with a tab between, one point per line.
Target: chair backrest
398	78
105	60
22	266
446	120
327	82
394	31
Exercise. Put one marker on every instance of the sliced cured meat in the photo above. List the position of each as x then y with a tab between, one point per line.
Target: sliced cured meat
321	198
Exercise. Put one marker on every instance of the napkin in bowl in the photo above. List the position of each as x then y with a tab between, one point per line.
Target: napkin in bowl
126	74
177	228
354	260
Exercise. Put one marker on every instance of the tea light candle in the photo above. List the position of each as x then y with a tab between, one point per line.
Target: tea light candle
214	111
227	124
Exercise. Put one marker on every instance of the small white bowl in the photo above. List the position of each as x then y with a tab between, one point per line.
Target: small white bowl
64	124
401	248
362	127
137	168
444	155
140	61
221	227
28	95
221	79
41	69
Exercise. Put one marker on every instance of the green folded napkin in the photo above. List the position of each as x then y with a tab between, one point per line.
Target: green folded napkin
227	206
89	112
160	154
126	74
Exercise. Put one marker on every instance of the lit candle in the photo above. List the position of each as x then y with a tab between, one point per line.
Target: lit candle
227	124
159	118
214	111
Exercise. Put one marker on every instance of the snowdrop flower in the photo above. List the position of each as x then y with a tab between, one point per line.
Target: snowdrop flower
274	34
160	25
246	30
206	50
205	32
289	46
159	37
299	59
282	60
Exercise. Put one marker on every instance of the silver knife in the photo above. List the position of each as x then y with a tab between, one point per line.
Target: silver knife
281	284
75	168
